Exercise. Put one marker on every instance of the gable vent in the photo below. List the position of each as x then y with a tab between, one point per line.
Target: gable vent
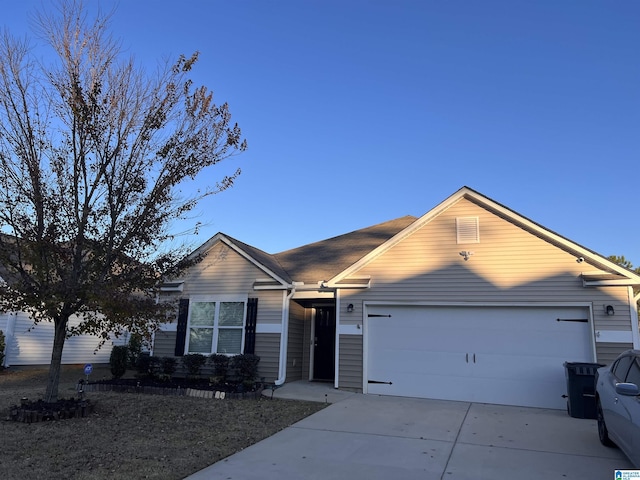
468	230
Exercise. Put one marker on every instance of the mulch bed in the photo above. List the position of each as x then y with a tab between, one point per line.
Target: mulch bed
41	411
177	387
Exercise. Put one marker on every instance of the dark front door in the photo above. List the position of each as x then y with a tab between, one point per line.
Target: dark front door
324	348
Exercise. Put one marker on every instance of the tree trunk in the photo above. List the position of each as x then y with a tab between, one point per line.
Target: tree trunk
56	359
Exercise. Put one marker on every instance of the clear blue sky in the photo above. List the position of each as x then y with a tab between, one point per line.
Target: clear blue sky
357	112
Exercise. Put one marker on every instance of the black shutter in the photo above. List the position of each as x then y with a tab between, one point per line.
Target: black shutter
181	331
250	326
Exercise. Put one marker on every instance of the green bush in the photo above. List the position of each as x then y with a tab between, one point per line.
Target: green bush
246	367
147	366
118	360
135	348
2	347
193	362
168	365
220	366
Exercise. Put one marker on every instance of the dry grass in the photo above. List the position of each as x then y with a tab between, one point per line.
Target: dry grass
132	436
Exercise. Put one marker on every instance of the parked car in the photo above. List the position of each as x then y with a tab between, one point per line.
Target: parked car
618	404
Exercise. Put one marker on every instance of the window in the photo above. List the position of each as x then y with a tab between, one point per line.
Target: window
216	326
621	368
633	376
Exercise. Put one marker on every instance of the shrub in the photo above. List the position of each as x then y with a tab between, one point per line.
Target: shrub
220	366
193	363
147	366
168	365
118	360
246	367
135	348
2	347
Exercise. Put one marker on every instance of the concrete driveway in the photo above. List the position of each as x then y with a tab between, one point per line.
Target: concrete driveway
375	437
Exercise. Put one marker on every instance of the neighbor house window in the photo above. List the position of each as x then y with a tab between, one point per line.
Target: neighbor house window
216	326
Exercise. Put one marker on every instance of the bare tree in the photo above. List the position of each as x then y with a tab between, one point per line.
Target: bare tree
96	157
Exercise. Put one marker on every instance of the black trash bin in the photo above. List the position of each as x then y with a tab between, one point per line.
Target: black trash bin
581	388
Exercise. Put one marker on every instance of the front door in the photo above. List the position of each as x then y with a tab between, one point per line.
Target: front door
324	346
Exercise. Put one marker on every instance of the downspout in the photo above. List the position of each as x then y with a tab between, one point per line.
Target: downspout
284	336
633	304
336	376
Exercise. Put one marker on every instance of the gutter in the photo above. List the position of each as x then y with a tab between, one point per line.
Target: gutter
284	336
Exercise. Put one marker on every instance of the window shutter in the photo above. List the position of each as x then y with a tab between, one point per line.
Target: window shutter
181	331
250	326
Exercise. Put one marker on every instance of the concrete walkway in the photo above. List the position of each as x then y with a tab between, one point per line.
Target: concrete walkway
376	437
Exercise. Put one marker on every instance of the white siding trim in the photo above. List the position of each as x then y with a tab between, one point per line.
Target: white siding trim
351	329
169	327
481	304
635	324
268	328
614	336
336	362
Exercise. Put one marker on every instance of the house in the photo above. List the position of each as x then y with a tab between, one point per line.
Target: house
31	344
470	302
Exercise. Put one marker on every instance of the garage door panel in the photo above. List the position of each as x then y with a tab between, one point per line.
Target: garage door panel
508	355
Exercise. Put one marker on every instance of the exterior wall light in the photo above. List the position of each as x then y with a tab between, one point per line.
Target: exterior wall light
609	309
350	308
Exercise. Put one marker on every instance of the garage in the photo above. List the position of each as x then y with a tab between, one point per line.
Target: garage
510	355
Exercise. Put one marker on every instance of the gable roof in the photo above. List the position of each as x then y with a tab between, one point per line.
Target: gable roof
626	276
325	259
335	259
317	261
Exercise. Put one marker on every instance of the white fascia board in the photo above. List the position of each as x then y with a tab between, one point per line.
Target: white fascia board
607	283
173	286
248	257
271	287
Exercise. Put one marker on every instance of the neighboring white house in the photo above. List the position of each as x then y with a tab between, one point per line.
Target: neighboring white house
29	344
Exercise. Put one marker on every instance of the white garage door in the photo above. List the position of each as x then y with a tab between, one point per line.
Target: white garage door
503	355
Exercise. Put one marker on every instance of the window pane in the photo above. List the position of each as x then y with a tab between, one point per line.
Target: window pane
229	340
200	340
622	367
634	373
231	314
202	313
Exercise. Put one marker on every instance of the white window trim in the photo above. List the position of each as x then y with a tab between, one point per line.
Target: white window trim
218	299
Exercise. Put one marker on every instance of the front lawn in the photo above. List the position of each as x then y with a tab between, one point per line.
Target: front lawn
132	436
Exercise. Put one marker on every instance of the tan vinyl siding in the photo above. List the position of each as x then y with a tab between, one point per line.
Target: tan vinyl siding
164	344
608	352
350	375
509	265
295	342
268	348
223	272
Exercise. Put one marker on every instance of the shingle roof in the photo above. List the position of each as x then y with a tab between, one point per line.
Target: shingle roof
263	258
325	259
